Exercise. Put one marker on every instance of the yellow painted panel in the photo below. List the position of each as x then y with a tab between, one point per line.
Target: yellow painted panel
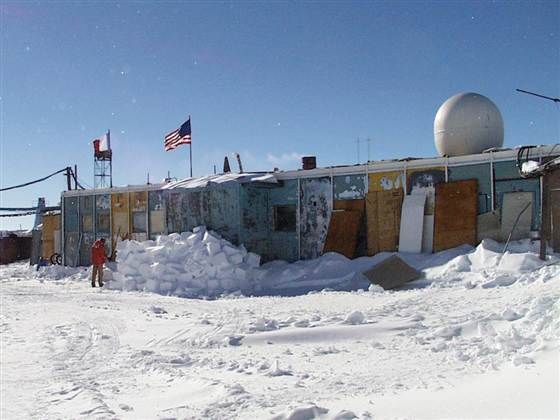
386	181
120	213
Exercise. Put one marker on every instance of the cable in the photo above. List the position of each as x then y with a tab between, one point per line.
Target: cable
27	213
33	182
18	208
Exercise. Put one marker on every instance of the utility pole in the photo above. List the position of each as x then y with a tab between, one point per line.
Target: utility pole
68	178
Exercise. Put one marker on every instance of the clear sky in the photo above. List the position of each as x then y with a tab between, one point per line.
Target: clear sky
270	80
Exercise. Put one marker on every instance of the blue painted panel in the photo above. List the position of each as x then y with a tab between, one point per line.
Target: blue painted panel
481	173
87	213
102	214
283	245
506	170
315	213
71	214
176	214
192	204
528	185
221	207
255	219
349	187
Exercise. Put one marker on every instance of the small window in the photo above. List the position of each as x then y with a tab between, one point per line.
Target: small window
285	218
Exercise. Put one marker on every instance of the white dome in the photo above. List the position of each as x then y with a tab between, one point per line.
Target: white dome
467	123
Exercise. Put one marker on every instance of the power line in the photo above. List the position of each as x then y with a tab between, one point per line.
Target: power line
27	213
539	95
33	182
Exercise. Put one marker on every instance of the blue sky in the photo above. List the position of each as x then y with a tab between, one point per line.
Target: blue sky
270	80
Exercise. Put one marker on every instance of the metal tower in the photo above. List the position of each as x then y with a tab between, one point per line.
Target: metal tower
103	162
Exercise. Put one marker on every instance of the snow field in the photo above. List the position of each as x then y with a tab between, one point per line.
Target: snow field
482	322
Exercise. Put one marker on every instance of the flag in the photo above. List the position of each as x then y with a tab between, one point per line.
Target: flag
182	135
105	142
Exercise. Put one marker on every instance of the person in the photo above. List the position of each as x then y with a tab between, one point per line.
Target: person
98	258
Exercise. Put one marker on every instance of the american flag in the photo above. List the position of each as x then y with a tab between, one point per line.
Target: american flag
182	135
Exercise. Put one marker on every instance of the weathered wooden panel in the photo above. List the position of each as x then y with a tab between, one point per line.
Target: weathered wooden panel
455	214
383	181
344	228
120	219
138	203
349	187
480	172
360	206
156	208
51	223
383	219
315	211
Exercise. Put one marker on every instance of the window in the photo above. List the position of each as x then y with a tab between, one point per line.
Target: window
285	218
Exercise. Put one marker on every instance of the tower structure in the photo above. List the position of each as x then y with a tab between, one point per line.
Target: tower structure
103	162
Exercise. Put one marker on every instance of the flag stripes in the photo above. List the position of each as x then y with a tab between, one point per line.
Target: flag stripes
179	136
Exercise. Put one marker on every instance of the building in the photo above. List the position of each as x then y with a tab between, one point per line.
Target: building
288	215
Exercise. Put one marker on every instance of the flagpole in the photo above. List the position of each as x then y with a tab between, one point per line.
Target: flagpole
190	148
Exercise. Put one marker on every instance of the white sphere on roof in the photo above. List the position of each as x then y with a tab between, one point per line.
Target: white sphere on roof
468	123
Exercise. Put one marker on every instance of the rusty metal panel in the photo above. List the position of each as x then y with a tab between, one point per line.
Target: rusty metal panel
315	212
383	181
349	187
383	219
455	214
344	228
360	206
120	218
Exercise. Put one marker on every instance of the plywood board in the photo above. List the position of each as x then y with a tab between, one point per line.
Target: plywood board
391	273
51	223
120	216
455	214
512	211
412	223
383	215
342	235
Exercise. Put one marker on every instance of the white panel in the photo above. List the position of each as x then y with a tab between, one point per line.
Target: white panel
513	205
428	234
412	223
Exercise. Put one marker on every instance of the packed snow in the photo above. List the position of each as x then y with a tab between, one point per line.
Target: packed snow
191	326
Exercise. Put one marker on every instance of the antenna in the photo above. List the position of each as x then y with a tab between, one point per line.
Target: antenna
539	95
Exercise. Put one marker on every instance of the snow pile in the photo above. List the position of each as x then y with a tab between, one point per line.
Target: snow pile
190	264
487	266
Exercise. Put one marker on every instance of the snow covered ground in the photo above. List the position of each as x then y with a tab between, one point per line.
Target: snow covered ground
476	337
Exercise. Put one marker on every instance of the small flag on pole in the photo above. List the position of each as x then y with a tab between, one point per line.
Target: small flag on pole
182	135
